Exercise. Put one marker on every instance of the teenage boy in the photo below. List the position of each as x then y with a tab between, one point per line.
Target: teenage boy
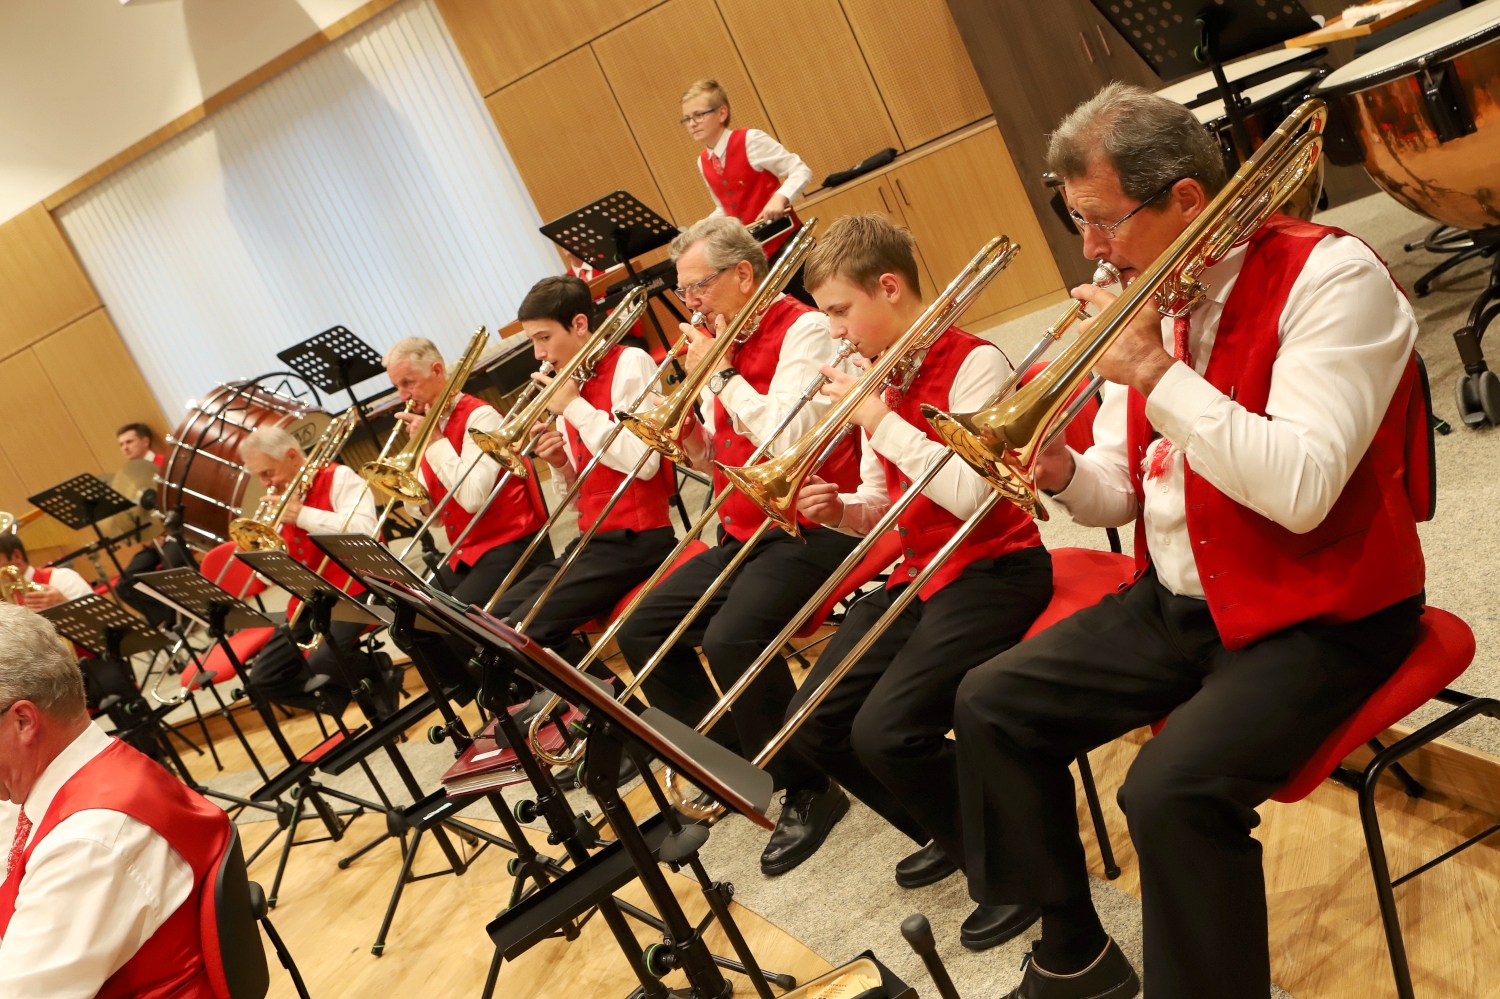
882	732
636	535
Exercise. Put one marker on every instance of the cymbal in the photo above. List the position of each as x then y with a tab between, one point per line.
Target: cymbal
132	480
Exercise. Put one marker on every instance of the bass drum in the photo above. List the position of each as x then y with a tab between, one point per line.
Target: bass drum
203	471
1422	114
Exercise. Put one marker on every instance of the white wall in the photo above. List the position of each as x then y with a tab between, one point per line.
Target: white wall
367	186
83	80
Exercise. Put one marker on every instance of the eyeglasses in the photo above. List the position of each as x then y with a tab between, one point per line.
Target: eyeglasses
696	288
694	117
1108	228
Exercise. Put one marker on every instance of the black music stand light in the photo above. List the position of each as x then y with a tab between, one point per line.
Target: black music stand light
198	599
81	502
335	361
1209	33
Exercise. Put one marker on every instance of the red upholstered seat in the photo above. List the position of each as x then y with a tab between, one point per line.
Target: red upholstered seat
221	568
695	547
245	644
1081	577
881	554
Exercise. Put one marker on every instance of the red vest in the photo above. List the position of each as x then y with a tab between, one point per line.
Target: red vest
742	189
643	507
41	575
120	779
924	525
1259	577
516	512
756	361
319	497
159	459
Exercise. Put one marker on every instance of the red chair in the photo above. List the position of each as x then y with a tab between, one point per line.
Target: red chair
225	571
879	558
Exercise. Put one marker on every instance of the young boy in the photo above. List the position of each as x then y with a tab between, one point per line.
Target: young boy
750	175
881	732
636	536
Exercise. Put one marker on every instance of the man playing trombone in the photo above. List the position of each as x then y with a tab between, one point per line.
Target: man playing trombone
882	732
1258	443
756	386
636	534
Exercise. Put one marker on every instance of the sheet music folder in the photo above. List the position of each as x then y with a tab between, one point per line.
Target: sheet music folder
736	783
188	592
89	621
300	581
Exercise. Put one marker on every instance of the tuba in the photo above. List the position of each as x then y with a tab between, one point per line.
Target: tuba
1003	441
397	476
503	444
258	532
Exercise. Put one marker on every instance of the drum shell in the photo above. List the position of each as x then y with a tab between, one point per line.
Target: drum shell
203	470
1453	182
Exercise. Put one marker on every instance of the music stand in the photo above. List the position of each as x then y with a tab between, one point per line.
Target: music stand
81	502
613	731
615	230
1209	33
335	361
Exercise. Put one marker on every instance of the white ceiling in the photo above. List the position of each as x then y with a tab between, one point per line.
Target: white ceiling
82	80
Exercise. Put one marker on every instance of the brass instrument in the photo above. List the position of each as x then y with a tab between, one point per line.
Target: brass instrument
1003	441
7	522
666	426
259	532
13	583
501	444
397	475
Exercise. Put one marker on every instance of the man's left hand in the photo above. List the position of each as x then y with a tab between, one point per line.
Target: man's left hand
870	411
47	596
566	392
1137	357
701	344
775	208
293	507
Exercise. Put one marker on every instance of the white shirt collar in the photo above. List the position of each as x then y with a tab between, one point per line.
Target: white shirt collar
150	455
90	743
722	145
30	572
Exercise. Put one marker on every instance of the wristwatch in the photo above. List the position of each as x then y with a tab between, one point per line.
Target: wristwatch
719	379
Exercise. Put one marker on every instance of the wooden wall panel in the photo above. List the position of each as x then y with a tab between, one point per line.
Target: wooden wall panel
920	64
503	40
13	492
568	138
827	108
649	62
49	448
101	383
42	285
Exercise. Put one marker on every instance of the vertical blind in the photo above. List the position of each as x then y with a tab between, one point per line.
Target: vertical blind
366	187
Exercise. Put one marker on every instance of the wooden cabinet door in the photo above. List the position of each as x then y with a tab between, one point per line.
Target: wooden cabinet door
876	195
957	199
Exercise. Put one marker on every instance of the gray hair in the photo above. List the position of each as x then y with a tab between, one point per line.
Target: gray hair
1149	140
34	665
415	348
726	242
273	442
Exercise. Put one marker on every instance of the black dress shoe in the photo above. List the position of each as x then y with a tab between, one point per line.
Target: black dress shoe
1109	977
806	818
991	925
927	866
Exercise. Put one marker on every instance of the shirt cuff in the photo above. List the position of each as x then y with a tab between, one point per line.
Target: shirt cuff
894	438
737	394
1081	491
1179	401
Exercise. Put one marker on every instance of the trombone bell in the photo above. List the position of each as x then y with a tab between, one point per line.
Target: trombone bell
1015	482
395	481
254	536
767	486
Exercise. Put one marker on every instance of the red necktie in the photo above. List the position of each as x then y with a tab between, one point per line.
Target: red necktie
1161	456
18	845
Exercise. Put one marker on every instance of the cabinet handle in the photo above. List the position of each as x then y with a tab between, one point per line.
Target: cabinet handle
1102	40
904	199
1085	42
880	188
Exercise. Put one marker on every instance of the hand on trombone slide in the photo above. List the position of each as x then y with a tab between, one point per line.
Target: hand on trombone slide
819	501
549	445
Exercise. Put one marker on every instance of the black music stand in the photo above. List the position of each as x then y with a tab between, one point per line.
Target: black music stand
81	502
1209	33
613	731
615	230
198	599
335	361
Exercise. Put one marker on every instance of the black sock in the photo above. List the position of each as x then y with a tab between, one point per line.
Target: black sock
1072	938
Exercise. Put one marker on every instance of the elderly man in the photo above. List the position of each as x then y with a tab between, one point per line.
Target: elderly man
719	266
1258	445
336	501
108	853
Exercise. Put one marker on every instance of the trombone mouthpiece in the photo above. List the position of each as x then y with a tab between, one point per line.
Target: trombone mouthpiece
1106	274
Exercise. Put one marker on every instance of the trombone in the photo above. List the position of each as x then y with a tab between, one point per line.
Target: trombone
258	532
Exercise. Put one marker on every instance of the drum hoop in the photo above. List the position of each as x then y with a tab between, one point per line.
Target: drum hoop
1446	53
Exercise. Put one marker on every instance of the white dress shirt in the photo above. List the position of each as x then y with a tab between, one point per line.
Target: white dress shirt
95	889
765	153
634	371
349	492
65	581
450	465
957	488
1345	334
808	344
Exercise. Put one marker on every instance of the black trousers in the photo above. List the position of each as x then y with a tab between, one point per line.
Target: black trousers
882	732
280	671
1241	722
475	584
611	564
736	626
148	559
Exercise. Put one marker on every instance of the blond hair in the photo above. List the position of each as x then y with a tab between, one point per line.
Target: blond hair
726	242
711	89
35	667
273	442
860	248
414	348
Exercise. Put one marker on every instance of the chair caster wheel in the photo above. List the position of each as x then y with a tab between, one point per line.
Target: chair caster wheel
660	960
526	810
1478	398
512	865
436	735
